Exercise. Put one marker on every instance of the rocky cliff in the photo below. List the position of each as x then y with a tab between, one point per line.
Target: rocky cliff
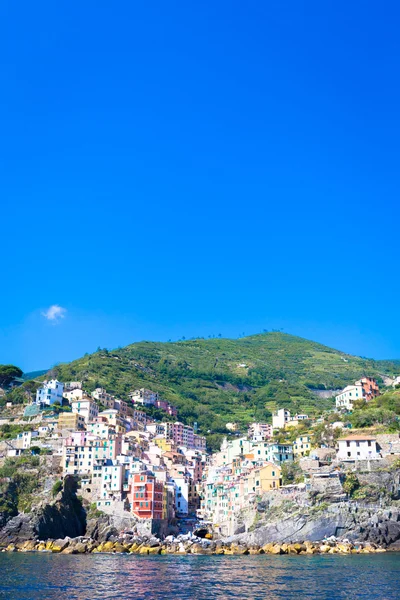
347	520
60	517
371	514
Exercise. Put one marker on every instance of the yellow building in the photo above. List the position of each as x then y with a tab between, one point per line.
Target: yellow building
263	479
302	445
164	444
72	421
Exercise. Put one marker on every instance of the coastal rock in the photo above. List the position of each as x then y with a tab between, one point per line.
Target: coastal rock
64	517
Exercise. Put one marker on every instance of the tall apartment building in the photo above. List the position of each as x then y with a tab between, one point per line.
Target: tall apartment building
183	435
147	496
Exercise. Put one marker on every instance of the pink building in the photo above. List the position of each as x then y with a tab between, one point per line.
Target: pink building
183	435
167	407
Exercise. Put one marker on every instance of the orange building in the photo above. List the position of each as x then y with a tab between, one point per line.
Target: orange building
147	496
369	386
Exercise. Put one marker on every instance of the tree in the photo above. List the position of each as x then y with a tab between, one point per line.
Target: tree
351	483
8	373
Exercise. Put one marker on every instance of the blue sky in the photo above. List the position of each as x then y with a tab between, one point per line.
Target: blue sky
174	169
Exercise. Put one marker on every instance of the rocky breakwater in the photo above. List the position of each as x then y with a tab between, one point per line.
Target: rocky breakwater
183	545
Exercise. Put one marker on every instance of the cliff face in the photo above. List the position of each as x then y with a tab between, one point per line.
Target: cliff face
62	517
348	520
372	515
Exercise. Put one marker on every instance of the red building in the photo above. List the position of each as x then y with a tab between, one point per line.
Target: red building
147	496
370	387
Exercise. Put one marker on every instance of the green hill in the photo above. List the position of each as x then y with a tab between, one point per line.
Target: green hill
33	374
213	381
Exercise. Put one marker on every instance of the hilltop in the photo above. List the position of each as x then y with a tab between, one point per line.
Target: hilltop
213	381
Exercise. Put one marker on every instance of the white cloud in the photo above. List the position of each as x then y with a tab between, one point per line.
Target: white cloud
54	313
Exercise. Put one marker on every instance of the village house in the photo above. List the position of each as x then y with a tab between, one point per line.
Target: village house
282	419
103	398
121	406
83	450
302	445
263	479
348	396
71	420
75	394
182	435
146	496
24	440
364	389
144	397
50	392
72	385
86	407
114	419
258	432
232	426
357	447
112	480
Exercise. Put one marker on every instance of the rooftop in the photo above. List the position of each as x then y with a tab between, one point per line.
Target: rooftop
357	437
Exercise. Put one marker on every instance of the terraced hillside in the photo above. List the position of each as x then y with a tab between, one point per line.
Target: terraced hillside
213	381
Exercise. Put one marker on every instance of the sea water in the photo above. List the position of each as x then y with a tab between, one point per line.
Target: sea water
45	576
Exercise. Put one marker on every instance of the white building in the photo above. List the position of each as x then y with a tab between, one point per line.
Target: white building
181	481
112	479
75	394
231	450
346	398
101	430
156	429
52	391
85	407
258	432
144	396
72	385
103	398
357	447
282	419
24	440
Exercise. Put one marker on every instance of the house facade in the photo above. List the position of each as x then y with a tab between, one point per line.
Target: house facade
86	407
50	392
357	447
147	496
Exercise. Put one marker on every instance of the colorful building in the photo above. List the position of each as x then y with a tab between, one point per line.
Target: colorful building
302	445
147	496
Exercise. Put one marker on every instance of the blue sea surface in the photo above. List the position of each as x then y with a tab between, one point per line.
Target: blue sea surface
31	576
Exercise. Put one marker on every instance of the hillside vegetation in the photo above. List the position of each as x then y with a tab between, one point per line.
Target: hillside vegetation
213	381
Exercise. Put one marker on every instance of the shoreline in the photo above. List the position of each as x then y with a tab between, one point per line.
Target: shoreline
191	546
